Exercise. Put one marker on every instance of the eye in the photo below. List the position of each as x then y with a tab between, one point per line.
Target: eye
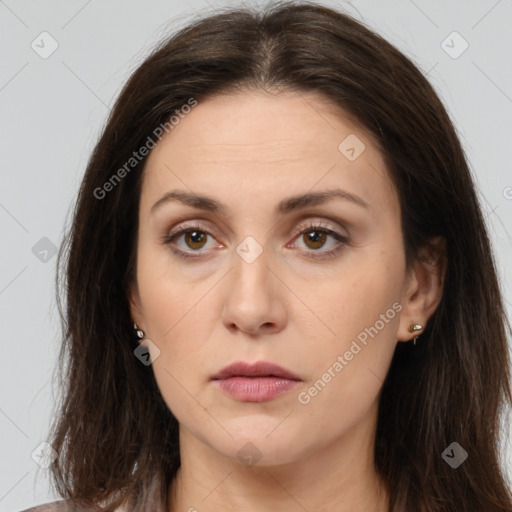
194	238
314	237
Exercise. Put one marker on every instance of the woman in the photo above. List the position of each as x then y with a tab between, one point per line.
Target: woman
274	285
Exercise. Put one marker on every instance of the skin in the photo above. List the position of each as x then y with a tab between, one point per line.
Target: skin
250	151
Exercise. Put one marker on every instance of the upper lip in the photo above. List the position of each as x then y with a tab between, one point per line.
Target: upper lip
258	369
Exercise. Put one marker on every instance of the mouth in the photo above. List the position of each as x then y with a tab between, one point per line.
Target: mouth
258	382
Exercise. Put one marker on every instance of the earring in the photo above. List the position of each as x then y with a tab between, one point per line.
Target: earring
415	328
139	332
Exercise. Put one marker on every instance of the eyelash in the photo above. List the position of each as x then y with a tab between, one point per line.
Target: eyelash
319	226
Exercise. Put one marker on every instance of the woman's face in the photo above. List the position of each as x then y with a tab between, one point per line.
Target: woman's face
271	271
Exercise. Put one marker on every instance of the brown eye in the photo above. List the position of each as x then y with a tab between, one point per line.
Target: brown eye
314	239
195	239
314	236
190	242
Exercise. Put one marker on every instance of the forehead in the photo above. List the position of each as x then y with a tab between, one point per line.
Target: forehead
266	123
257	144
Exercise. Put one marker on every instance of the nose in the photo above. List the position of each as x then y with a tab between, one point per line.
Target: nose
254	297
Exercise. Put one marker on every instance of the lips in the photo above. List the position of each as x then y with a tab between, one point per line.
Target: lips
258	369
258	382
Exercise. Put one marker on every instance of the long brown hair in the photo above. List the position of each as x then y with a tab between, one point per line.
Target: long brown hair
113	432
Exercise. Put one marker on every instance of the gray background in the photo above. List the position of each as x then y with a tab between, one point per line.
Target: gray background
53	108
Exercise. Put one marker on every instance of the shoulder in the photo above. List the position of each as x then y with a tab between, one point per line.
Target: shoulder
62	506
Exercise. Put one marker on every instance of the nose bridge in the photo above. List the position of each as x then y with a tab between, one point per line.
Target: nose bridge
253	249
252	296
251	273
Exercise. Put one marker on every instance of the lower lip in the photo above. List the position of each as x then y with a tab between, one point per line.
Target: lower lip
255	389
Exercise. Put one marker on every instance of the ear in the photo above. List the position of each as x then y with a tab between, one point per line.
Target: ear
424	288
136	310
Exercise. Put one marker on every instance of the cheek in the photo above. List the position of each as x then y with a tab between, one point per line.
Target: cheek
179	316
166	298
347	374
362	312
345	302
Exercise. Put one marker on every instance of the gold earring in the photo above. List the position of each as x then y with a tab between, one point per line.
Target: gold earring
415	328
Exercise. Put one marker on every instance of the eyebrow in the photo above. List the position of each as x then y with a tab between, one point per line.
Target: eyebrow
288	205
